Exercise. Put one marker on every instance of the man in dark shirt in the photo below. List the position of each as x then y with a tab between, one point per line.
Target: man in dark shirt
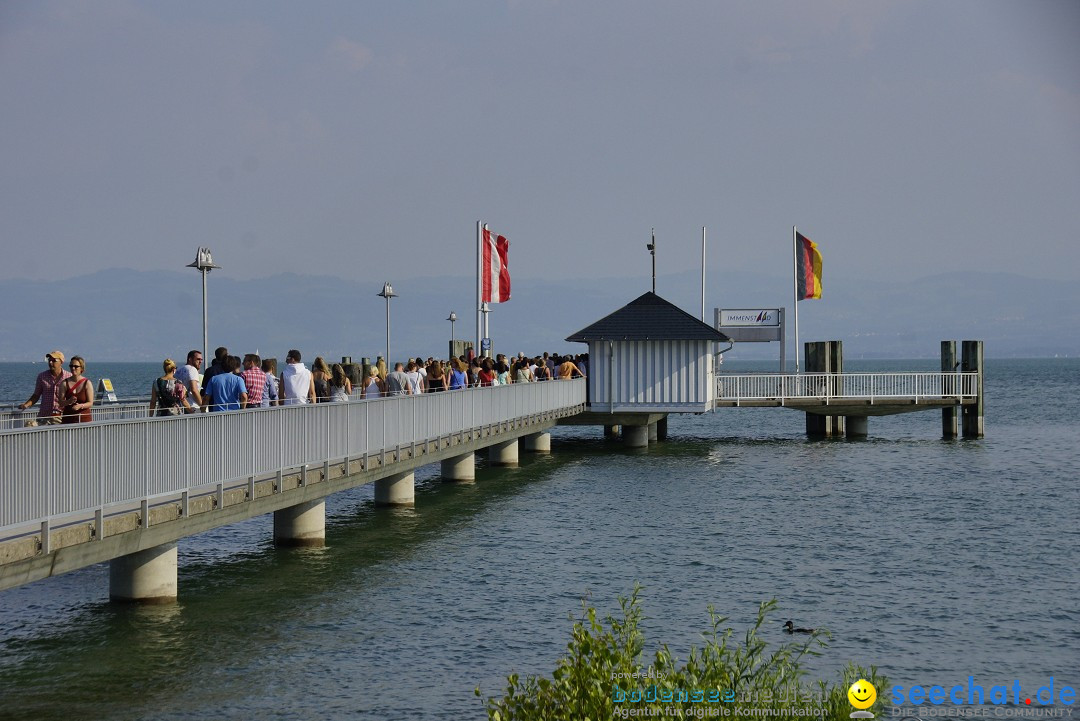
218	366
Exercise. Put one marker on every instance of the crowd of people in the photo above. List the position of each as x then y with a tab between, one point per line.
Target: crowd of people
433	375
232	383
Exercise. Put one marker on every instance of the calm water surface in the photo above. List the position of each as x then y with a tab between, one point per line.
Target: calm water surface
934	560
130	380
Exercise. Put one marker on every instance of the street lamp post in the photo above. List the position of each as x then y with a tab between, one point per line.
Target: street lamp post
485	308
204	263
388	293
453	338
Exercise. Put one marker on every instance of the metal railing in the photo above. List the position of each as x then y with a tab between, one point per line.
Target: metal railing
848	386
11	418
49	473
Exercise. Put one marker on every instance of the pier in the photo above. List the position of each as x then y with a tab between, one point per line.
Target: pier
126	488
126	491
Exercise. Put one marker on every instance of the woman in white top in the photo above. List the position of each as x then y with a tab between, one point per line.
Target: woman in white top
523	374
340	385
372	385
416	380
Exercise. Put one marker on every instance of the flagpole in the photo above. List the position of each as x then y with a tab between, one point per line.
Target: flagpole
487	326
485	308
479	255
795	289
703	274
652	249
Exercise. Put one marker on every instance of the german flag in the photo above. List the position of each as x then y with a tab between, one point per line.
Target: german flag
807	268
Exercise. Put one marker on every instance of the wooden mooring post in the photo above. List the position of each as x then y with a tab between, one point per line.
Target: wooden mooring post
972	362
825	357
948	365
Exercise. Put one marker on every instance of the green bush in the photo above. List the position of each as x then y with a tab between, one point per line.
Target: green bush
603	676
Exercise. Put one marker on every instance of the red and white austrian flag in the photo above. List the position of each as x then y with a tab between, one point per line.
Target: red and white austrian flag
494	273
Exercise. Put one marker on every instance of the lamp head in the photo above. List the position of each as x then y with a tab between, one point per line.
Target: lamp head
203	261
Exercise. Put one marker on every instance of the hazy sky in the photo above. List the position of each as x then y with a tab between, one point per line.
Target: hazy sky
364	139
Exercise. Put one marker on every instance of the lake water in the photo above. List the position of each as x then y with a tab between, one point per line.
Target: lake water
935	560
130	380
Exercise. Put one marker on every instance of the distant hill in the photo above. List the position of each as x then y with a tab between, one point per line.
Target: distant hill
126	315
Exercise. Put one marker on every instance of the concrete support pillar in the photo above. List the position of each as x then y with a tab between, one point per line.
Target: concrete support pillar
949	416
972	362
661	429
635	436
537	442
460	469
611	432
504	453
396	490
856	426
301	525
144	576
653	437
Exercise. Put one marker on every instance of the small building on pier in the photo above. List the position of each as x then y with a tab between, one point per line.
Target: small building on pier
650	356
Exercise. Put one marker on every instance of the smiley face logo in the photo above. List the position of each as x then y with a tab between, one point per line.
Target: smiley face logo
862	694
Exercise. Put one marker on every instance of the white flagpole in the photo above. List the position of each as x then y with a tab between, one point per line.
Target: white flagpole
487	327
485	308
703	274
795	289
479	255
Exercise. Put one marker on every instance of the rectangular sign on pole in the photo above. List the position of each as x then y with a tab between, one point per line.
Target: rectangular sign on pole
750	318
753	325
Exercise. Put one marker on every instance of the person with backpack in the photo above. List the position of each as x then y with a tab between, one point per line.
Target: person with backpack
168	396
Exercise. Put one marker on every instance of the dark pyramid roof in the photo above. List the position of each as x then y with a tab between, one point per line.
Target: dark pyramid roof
648	317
